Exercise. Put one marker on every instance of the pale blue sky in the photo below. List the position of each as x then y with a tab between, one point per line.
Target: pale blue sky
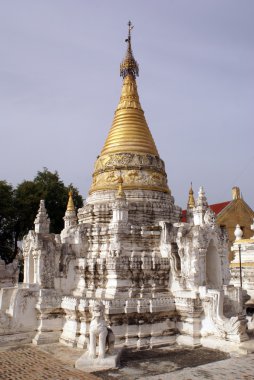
60	85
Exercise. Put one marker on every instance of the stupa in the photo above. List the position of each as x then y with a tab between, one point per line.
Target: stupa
160	281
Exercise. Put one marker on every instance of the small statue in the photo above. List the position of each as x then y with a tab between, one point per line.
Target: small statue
98	327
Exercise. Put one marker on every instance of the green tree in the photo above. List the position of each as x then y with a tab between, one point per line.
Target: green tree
55	193
18	208
48	186
26	200
7	222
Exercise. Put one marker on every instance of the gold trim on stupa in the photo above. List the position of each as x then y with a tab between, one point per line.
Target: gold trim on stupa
129	148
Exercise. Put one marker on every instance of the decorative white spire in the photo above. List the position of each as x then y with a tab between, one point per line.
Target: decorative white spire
42	221
120	206
201	207
201	200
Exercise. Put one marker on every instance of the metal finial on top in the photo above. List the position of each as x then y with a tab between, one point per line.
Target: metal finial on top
129	65
129	31
191	200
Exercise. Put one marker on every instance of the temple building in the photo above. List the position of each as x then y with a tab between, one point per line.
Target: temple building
228	214
161	281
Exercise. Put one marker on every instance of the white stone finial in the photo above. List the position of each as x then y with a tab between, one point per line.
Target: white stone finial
252	228
238	232
120	207
42	222
201	200
201	207
201	191
42	205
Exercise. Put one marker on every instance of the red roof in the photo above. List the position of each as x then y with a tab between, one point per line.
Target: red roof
217	208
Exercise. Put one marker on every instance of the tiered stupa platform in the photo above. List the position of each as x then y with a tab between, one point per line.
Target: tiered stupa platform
161	281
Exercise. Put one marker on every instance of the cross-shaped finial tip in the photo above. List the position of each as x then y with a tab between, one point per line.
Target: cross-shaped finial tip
129	65
130	26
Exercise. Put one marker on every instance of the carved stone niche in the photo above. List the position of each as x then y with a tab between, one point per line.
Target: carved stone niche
213	267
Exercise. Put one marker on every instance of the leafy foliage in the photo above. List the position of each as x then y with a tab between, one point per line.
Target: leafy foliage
18	208
7	222
26	199
55	194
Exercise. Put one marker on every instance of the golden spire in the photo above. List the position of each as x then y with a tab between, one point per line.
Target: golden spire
129	131
70	205
129	147
191	200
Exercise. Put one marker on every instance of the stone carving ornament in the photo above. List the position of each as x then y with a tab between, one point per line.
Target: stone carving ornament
99	328
138	170
210	217
144	179
128	160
